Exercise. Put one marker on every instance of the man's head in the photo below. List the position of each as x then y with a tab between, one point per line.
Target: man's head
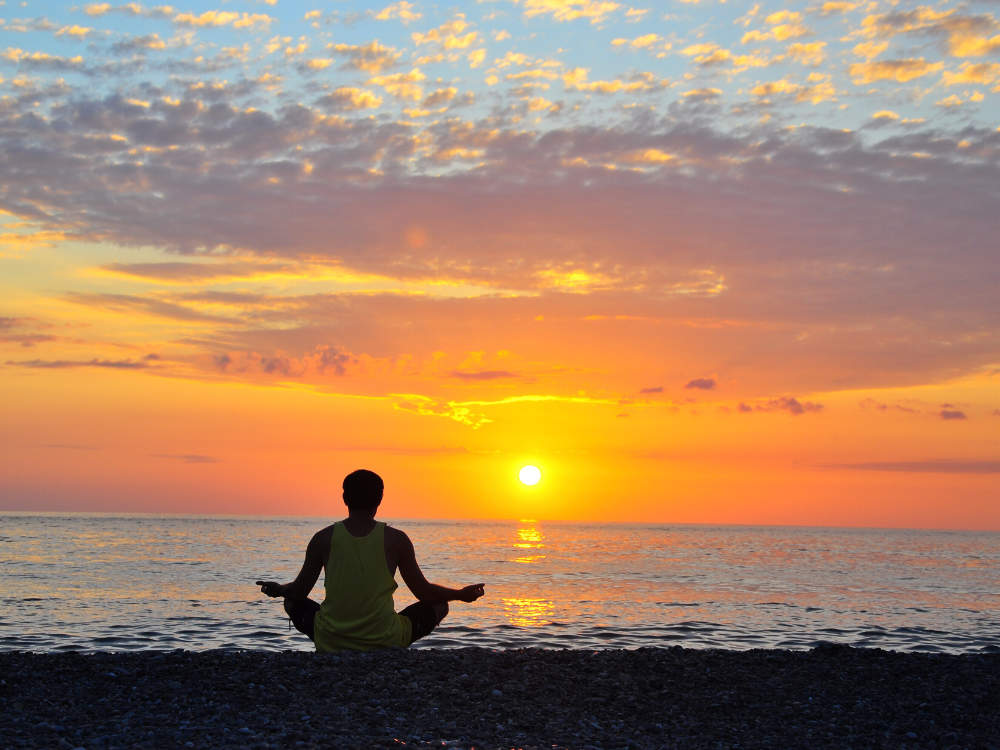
363	490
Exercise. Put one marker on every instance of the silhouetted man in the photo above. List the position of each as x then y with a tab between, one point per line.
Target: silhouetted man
361	555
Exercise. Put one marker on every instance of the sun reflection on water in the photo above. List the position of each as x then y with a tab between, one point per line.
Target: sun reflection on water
529	537
528	613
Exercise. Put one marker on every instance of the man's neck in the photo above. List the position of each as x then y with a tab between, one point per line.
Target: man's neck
360	517
360	524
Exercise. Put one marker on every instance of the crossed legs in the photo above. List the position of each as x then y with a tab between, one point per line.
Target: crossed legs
423	615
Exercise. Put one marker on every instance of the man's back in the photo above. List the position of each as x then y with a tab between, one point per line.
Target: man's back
358	611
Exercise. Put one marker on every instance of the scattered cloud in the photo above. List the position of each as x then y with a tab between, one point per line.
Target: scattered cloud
949	412
403	10
58	364
594	11
131	304
704	384
350	99
930	466
483	374
188	458
402	85
427	406
224	18
787	404
893	70
371	58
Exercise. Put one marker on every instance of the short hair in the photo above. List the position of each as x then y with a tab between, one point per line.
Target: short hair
363	489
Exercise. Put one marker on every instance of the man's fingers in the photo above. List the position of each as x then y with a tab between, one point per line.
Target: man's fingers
270	588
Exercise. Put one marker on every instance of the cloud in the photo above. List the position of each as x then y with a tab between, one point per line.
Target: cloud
190	272
479	375
818	89
371	58
963	35
948	412
703	94
871	404
704	384
75	31
130	9
439	97
23	336
707	53
27	339
135	43
576	79
784	25
448	35
402	10
187	458
45	364
224	18
41	61
900	71
639	42
784	403
885	114
811	53
427	406
651	390
127	303
930	466
594	11
349	99
402	85
323	361
969	73
621	211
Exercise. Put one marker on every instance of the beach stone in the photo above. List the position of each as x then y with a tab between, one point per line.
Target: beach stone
539	698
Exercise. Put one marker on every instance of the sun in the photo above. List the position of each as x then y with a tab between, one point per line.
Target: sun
530	475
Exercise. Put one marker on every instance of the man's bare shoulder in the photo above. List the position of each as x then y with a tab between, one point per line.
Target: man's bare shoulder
395	536
322	537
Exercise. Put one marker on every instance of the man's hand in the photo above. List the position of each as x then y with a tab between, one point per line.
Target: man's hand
471	593
271	588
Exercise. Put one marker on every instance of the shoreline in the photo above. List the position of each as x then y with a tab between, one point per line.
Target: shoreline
831	696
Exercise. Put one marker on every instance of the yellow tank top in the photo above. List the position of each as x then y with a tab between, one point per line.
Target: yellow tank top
358	612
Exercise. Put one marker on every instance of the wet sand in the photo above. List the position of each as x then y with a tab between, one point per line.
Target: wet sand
650	698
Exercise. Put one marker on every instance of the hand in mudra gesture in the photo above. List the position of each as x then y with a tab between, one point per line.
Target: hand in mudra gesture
471	593
271	588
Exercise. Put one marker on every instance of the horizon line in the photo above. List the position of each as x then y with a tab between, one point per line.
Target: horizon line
508	519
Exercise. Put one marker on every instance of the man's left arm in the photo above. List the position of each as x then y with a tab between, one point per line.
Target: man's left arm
306	579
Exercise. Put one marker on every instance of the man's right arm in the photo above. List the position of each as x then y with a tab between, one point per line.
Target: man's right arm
423	589
306	579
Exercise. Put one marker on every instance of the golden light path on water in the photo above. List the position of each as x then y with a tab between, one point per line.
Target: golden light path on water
528	612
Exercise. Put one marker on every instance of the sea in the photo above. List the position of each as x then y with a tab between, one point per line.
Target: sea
119	582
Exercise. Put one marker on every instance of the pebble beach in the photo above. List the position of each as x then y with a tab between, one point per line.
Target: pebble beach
830	696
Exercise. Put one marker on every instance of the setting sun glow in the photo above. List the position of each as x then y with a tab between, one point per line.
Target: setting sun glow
530	475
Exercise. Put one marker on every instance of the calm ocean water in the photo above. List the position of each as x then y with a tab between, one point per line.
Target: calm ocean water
117	582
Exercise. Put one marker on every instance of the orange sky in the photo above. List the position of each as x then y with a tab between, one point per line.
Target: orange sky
710	265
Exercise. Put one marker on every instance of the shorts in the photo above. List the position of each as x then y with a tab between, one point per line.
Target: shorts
423	616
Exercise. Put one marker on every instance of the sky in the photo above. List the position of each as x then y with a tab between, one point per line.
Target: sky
701	262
